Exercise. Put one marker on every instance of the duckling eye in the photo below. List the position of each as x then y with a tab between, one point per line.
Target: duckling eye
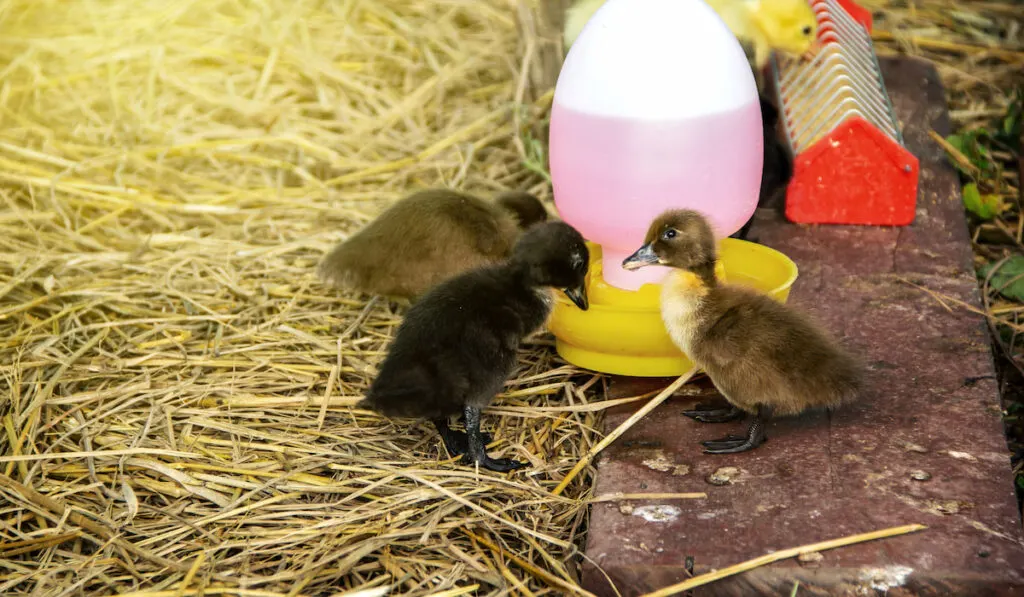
669	234
806	30
576	260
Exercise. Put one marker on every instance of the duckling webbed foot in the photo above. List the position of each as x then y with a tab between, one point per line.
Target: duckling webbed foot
477	452
706	413
456	442
733	443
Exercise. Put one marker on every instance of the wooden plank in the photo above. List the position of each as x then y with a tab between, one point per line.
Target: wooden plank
931	410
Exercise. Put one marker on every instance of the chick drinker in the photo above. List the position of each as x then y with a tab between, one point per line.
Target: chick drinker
655	108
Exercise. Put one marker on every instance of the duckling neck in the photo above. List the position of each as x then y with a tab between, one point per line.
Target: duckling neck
688	286
521	273
687	289
684	297
533	298
526	278
706	274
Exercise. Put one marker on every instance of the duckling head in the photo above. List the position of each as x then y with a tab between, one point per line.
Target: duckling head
554	254
790	25
526	208
679	238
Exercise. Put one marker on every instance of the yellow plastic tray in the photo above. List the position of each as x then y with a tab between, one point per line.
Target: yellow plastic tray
622	332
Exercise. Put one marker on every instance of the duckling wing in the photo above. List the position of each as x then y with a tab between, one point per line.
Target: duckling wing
728	338
762	351
417	244
456	346
752	325
480	229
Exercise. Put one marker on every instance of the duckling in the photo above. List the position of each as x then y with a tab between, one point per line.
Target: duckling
787	26
778	165
765	357
457	344
428	237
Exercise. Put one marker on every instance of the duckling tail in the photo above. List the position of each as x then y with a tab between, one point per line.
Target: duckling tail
401	398
341	268
368	402
848	379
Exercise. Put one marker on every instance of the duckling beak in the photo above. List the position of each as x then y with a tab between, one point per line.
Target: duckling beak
578	295
811	51
644	256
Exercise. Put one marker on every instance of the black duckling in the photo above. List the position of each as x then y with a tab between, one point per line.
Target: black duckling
457	344
778	166
765	357
428	237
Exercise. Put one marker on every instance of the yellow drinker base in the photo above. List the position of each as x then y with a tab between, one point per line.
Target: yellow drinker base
622	332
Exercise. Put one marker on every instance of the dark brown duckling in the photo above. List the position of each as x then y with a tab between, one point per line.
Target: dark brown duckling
457	344
766	358
777	170
428	237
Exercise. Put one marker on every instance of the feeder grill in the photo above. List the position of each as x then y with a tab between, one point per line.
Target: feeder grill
850	165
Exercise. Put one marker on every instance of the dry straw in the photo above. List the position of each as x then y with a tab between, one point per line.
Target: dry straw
784	554
176	414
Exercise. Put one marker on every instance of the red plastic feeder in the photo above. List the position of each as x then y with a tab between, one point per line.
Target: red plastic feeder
850	165
857	13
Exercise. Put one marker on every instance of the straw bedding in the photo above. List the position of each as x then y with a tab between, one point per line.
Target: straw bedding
176	414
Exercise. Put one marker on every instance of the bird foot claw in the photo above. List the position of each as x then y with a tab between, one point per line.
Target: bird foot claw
708	414
730	445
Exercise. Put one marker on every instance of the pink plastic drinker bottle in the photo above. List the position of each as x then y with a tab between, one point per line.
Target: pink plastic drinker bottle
655	108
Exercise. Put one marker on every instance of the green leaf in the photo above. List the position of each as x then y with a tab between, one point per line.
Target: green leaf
956	141
985	207
968	144
1008	280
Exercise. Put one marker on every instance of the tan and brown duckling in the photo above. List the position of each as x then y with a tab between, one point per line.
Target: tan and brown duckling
765	357
428	237
458	343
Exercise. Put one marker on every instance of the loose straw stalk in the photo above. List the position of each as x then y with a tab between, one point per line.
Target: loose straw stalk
544	575
622	497
624	427
704	579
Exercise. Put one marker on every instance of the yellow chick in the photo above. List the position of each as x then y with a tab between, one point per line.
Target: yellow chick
785	25
765	357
